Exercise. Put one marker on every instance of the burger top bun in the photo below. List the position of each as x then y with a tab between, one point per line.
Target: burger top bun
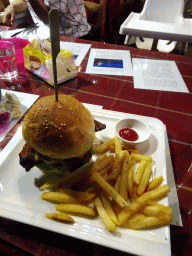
62	129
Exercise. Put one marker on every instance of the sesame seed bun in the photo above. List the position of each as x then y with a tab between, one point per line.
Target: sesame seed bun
62	130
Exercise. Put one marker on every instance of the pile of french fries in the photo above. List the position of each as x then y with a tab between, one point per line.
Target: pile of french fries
119	187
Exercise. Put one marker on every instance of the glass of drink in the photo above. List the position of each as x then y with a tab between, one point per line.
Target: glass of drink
8	65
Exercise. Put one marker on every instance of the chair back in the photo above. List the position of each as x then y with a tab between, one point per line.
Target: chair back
168	11
96	14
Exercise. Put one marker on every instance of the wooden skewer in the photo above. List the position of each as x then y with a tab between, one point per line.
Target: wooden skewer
55	43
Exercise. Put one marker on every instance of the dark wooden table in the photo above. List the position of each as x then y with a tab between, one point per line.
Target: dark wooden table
115	93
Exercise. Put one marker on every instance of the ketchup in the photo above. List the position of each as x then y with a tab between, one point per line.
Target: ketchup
128	134
4	118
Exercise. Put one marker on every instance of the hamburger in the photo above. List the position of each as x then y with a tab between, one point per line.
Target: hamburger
58	135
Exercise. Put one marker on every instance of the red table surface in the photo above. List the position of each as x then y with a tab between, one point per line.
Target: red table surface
116	93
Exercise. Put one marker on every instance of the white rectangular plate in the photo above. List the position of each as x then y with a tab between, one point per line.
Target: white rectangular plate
20	198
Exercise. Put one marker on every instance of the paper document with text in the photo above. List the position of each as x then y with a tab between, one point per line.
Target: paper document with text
79	50
109	62
162	75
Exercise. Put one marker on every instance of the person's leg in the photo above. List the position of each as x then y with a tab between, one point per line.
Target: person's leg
123	13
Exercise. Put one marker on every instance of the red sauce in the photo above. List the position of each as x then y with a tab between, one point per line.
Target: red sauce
4	118
128	134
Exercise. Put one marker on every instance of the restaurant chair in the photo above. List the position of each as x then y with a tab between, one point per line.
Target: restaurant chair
159	19
162	45
96	15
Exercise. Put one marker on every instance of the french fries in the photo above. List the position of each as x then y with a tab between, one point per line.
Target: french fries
145	179
109	189
133	208
83	197
104	163
119	186
130	182
142	222
155	209
104	216
76	209
158	193
140	171
59	198
155	183
116	169
117	183
162	208
103	148
117	144
60	217
51	184
139	157
107	206
123	186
